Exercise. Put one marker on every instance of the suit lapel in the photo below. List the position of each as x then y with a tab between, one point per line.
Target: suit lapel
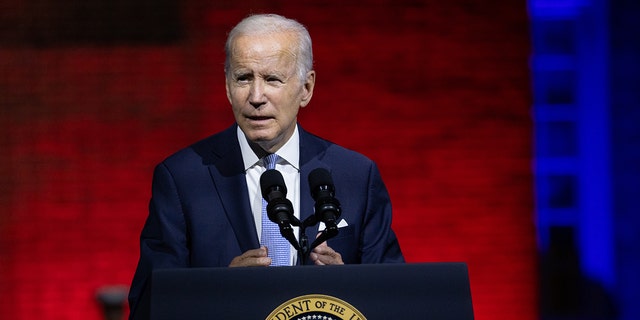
229	178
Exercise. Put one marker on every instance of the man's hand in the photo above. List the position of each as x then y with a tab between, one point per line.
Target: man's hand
252	258
324	255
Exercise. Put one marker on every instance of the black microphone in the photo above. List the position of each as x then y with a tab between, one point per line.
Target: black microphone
327	206
274	190
279	208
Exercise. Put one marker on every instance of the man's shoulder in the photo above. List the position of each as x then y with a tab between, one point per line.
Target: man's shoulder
205	150
331	151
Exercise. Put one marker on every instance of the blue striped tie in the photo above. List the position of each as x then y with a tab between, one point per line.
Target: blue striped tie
276	244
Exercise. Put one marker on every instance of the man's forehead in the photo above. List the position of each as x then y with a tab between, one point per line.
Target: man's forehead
281	41
261	52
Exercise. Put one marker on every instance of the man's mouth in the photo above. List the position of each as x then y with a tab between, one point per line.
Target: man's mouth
258	118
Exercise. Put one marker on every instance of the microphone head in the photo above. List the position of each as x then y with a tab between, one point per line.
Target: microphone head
272	180
320	181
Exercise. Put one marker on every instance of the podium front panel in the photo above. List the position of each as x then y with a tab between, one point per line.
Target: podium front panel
382	291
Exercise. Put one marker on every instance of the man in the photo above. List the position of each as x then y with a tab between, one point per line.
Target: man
206	204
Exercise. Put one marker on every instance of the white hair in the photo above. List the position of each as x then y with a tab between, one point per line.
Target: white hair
263	24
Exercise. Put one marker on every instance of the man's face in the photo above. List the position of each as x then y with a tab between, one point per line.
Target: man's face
264	89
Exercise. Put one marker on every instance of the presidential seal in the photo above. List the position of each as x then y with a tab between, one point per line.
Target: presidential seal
315	307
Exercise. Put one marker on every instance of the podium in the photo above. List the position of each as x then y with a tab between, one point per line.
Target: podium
438	291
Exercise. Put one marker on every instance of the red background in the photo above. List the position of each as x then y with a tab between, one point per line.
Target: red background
436	92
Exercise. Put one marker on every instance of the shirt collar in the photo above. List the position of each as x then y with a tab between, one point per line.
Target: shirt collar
290	151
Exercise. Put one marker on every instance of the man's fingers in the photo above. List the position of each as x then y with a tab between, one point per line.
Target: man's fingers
252	258
324	255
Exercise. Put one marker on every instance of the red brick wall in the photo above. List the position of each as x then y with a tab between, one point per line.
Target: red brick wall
437	92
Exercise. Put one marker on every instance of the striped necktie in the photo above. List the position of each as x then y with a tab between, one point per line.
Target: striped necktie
277	245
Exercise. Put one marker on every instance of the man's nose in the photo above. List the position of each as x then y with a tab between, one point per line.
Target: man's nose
256	94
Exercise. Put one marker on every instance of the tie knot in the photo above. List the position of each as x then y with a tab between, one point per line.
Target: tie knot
270	161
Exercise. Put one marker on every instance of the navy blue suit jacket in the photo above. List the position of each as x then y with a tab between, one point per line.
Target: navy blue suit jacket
200	216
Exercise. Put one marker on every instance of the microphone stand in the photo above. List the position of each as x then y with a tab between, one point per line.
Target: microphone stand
302	246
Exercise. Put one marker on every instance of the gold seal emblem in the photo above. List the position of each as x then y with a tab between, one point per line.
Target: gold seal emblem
315	307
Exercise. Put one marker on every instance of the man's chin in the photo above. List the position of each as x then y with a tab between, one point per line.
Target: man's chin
265	142
259	137
268	139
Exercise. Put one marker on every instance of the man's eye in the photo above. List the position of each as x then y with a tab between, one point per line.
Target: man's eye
273	79
243	77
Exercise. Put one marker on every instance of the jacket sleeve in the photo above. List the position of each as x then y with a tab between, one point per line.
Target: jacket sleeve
163	240
379	242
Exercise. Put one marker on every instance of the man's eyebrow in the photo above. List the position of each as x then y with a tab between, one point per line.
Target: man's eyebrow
241	72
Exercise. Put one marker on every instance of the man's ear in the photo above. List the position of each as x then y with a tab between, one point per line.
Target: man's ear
226	85
309	84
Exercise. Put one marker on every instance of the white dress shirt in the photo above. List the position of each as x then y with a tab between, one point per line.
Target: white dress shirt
288	165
